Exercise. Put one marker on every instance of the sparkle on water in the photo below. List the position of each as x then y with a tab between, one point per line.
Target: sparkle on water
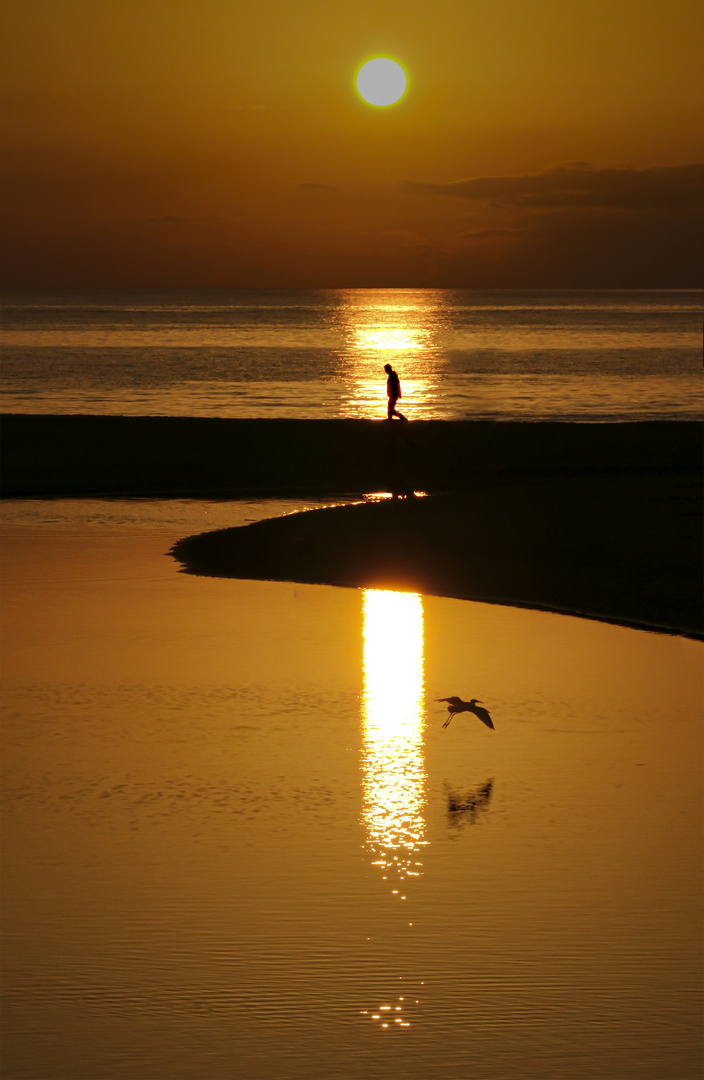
236	836
606	356
393	771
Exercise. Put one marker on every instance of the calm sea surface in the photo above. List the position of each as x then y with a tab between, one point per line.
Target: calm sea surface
239	843
460	354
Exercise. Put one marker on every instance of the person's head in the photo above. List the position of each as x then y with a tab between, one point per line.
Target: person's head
387	368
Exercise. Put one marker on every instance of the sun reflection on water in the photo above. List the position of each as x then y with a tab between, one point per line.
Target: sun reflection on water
393	768
388	338
400	327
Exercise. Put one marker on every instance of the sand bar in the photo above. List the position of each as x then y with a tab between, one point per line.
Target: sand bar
604	520
622	549
134	455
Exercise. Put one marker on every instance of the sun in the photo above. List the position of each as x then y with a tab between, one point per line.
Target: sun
381	81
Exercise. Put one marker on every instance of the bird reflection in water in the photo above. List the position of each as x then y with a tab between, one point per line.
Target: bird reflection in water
464	808
393	769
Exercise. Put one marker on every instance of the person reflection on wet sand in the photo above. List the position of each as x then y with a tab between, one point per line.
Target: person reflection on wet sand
464	809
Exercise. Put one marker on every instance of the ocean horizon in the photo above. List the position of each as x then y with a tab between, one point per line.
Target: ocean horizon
570	355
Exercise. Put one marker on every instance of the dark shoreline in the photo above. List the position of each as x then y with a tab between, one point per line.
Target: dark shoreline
593	547
150	456
601	520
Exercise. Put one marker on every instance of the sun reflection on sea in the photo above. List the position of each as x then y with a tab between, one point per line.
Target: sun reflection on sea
392	326
399	338
393	768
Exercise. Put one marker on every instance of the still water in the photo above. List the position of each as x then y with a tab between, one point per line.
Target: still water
578	355
239	843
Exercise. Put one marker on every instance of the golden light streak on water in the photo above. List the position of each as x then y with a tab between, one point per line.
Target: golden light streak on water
388	338
369	396
393	767
394	774
391	326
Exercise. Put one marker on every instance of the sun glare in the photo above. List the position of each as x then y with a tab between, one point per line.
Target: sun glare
393	766
387	339
381	81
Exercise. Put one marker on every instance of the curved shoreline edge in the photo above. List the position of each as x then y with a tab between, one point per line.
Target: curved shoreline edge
599	519
623	550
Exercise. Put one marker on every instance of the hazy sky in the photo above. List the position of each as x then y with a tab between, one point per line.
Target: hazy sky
216	143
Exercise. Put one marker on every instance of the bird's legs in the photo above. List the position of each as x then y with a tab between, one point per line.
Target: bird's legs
448	719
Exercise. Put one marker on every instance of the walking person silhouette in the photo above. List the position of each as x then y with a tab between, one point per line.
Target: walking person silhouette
393	392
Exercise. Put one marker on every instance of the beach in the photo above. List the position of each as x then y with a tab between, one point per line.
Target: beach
45	455
603	520
243	596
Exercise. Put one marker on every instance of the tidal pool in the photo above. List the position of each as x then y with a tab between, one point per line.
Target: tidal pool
239	843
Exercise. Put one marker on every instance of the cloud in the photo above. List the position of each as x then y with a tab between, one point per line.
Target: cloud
178	222
580	185
309	185
493	234
577	248
577	225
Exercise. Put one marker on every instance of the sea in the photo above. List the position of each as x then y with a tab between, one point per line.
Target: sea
237	840
460	354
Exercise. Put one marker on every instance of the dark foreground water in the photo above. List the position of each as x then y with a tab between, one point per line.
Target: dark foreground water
239	843
461	354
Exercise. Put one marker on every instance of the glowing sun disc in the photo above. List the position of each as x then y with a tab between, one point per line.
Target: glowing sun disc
381	81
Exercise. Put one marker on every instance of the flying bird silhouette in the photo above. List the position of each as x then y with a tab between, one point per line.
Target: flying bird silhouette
457	705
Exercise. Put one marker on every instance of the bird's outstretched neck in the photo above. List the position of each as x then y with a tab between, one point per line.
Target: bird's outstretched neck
457	705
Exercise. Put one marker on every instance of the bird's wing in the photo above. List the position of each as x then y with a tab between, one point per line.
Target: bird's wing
485	718
451	700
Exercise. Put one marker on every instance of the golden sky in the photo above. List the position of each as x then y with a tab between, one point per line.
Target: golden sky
218	143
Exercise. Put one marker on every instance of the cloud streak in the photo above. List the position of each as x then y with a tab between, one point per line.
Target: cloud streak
310	185
580	185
